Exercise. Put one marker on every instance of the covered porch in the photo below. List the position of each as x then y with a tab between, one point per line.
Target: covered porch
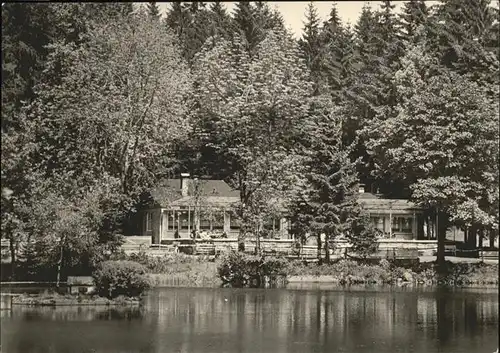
188	222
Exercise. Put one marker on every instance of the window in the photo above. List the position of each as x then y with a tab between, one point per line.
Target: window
407	225
378	222
395	224
234	222
183	219
402	224
273	224
171	220
149	221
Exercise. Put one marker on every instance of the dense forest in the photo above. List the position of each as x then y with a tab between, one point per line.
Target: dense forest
102	101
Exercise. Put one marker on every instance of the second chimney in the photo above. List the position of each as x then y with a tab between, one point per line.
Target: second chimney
184	184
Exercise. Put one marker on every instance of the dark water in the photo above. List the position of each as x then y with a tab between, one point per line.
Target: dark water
270	320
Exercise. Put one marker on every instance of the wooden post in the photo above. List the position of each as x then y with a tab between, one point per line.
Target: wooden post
161	226
189	220
390	223
414	225
166	223
178	222
437	224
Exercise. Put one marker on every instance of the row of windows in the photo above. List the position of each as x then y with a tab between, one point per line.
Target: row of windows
399	223
208	221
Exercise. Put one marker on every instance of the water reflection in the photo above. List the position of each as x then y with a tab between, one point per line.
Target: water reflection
273	320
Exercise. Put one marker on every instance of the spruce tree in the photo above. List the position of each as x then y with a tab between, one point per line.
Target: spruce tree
153	10
340	56
220	21
252	21
328	203
373	93
413	15
191	22
311	46
464	34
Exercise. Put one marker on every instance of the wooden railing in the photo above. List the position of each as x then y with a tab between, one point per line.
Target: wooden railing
388	248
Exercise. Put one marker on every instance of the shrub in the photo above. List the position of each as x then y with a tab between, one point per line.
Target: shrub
239	269
121	277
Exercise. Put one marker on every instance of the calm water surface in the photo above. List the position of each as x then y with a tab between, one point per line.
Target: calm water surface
319	319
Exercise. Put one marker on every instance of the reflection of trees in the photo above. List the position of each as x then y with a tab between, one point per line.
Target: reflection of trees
470	316
189	319
443	318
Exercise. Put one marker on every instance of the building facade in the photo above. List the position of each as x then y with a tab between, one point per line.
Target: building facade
201	208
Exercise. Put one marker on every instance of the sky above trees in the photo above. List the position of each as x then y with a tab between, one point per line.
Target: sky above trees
294	11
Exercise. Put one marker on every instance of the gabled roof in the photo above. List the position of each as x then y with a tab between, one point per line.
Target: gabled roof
213	191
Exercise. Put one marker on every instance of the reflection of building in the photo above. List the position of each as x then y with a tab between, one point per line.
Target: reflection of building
181	206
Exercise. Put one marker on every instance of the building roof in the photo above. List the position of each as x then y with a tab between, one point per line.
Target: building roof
217	201
212	191
373	202
218	193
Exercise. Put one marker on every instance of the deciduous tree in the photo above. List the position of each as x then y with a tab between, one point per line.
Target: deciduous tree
250	108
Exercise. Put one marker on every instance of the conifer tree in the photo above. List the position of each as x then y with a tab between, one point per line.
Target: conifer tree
373	92
251	22
311	46
465	36
413	15
153	10
327	204
191	22
340	57
220	21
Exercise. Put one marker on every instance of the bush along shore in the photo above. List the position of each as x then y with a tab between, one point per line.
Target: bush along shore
243	270
117	282
345	272
123	281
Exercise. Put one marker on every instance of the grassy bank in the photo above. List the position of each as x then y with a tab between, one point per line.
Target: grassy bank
180	270
199	271
385	272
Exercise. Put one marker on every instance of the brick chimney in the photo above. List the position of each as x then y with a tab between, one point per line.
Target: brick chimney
184	184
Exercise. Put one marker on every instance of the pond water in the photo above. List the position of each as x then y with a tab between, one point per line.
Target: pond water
305	319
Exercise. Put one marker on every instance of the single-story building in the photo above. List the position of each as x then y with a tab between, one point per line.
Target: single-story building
183	207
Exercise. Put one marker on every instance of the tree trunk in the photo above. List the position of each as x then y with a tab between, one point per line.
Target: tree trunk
241	239
471	237
59	265
481	234
327	249
441	236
